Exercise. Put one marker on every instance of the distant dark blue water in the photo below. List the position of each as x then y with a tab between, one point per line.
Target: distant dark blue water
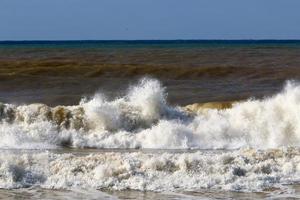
151	43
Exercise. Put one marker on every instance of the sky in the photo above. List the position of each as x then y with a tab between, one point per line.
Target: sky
149	19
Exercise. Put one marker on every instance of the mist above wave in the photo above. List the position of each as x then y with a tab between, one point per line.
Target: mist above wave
143	119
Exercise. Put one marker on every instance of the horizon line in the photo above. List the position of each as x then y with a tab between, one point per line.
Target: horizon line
136	40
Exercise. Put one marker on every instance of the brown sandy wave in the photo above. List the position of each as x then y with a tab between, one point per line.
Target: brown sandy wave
74	117
202	107
61	116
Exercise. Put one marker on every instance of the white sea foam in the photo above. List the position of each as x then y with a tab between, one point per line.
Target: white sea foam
240	170
143	119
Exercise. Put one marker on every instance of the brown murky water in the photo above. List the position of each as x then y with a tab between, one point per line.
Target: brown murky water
193	72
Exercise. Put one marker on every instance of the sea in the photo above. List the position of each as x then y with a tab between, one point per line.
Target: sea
153	119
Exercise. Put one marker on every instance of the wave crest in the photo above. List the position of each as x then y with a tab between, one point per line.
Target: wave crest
143	119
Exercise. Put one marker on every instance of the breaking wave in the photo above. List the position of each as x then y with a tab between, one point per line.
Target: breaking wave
143	119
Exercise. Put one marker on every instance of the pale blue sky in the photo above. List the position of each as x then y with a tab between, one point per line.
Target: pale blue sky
149	19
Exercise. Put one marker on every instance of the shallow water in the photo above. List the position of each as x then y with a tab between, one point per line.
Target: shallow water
111	195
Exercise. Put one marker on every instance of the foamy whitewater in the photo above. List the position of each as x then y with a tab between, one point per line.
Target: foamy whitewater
143	119
247	170
263	137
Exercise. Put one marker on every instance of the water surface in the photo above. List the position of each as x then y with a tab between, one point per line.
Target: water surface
106	119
